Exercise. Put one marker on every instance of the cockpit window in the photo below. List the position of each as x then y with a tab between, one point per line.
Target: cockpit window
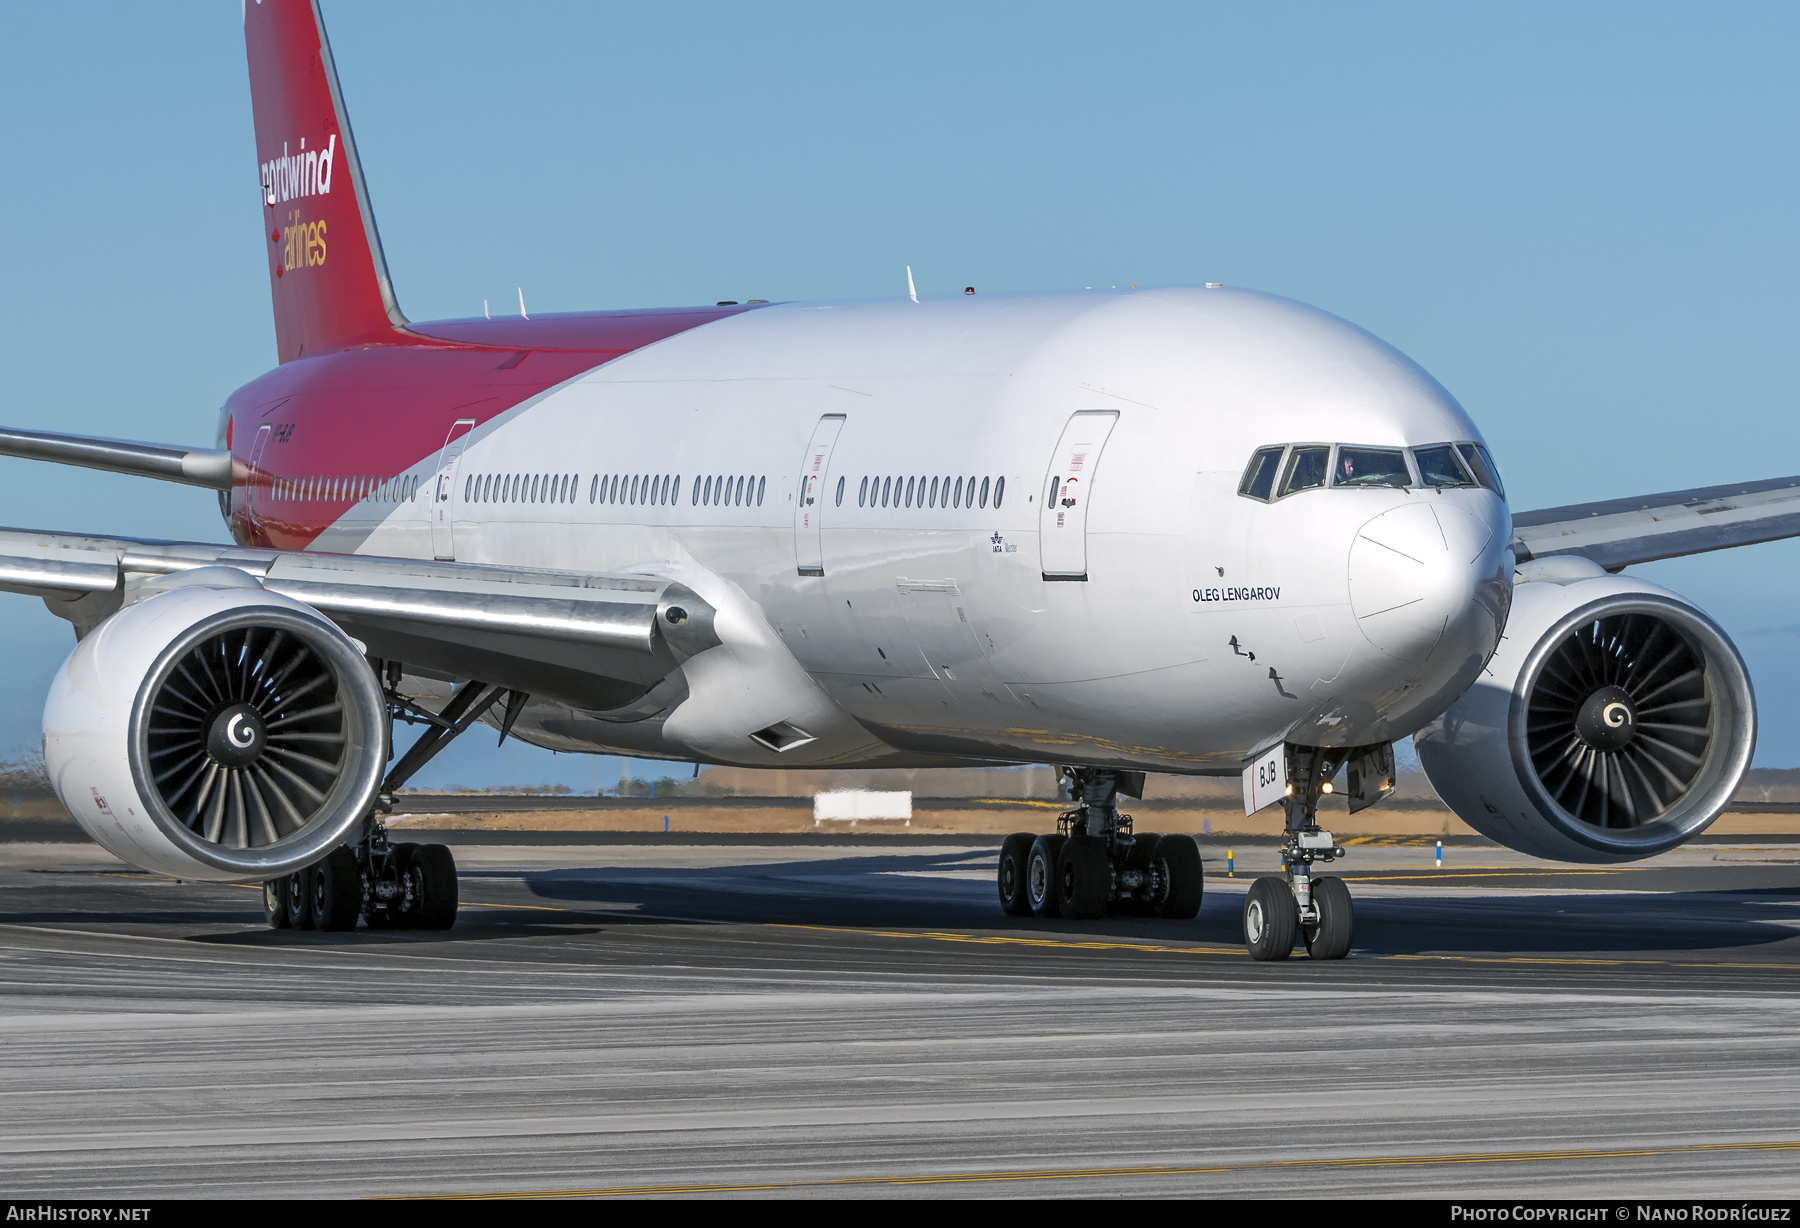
1439	467
1259	478
1306	469
1482	465
1370	467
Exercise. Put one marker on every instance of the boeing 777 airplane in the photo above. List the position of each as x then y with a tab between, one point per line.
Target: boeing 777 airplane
1203	531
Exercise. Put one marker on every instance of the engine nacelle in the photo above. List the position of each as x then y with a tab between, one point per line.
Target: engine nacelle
216	732
1613	723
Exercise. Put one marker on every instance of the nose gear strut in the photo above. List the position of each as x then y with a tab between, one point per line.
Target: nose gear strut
1296	904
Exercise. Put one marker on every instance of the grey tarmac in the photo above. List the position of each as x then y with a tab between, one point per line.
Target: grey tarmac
845	1017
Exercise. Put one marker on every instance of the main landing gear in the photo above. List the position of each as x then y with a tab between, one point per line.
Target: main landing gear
1094	863
1279	908
390	886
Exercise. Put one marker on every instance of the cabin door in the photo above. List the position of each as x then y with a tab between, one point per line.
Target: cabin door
1068	490
444	503
809	516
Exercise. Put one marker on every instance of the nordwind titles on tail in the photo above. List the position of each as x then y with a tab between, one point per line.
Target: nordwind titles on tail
307	173
328	280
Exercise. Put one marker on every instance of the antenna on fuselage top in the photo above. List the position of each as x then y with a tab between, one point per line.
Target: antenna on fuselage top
484	310
522	314
912	291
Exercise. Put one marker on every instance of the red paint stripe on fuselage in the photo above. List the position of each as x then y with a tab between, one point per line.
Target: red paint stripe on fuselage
378	410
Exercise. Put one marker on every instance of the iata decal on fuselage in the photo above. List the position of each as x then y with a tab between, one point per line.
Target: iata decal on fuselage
294	175
1238	594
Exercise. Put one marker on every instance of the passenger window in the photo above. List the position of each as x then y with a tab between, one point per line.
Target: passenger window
762	484
862	493
1306	469
956	495
1439	467
1483	466
933	502
984	492
1370	467
1259	478
909	492
886	487
999	490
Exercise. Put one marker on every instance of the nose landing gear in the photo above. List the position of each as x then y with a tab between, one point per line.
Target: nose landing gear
1095	862
1279	909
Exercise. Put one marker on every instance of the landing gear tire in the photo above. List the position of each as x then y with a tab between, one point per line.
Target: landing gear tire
1182	876
436	871
1083	877
337	891
1015	854
1270	918
1329	936
1041	875
275	903
297	897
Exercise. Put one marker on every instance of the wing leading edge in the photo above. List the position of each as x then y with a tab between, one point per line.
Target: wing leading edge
597	642
1616	533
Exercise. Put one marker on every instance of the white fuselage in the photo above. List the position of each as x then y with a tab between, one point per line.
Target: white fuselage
1208	624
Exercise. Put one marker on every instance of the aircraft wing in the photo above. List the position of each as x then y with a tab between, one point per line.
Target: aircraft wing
598	642
1616	533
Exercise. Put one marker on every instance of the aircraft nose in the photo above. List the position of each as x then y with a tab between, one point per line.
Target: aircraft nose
1419	576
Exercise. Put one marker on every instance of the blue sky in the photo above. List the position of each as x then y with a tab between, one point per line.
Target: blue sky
1579	217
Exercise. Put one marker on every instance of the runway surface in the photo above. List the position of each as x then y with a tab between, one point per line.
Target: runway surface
855	1018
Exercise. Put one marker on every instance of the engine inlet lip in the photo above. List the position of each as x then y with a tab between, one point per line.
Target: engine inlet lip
1729	750
351	794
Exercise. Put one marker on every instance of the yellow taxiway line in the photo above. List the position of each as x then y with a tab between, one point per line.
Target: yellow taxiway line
1144	1170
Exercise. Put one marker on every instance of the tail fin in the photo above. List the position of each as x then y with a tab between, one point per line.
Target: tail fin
327	274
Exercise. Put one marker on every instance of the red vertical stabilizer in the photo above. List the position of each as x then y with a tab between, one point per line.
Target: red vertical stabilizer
327	275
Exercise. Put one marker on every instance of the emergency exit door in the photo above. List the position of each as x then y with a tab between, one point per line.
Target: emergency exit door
1068	490
809	515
